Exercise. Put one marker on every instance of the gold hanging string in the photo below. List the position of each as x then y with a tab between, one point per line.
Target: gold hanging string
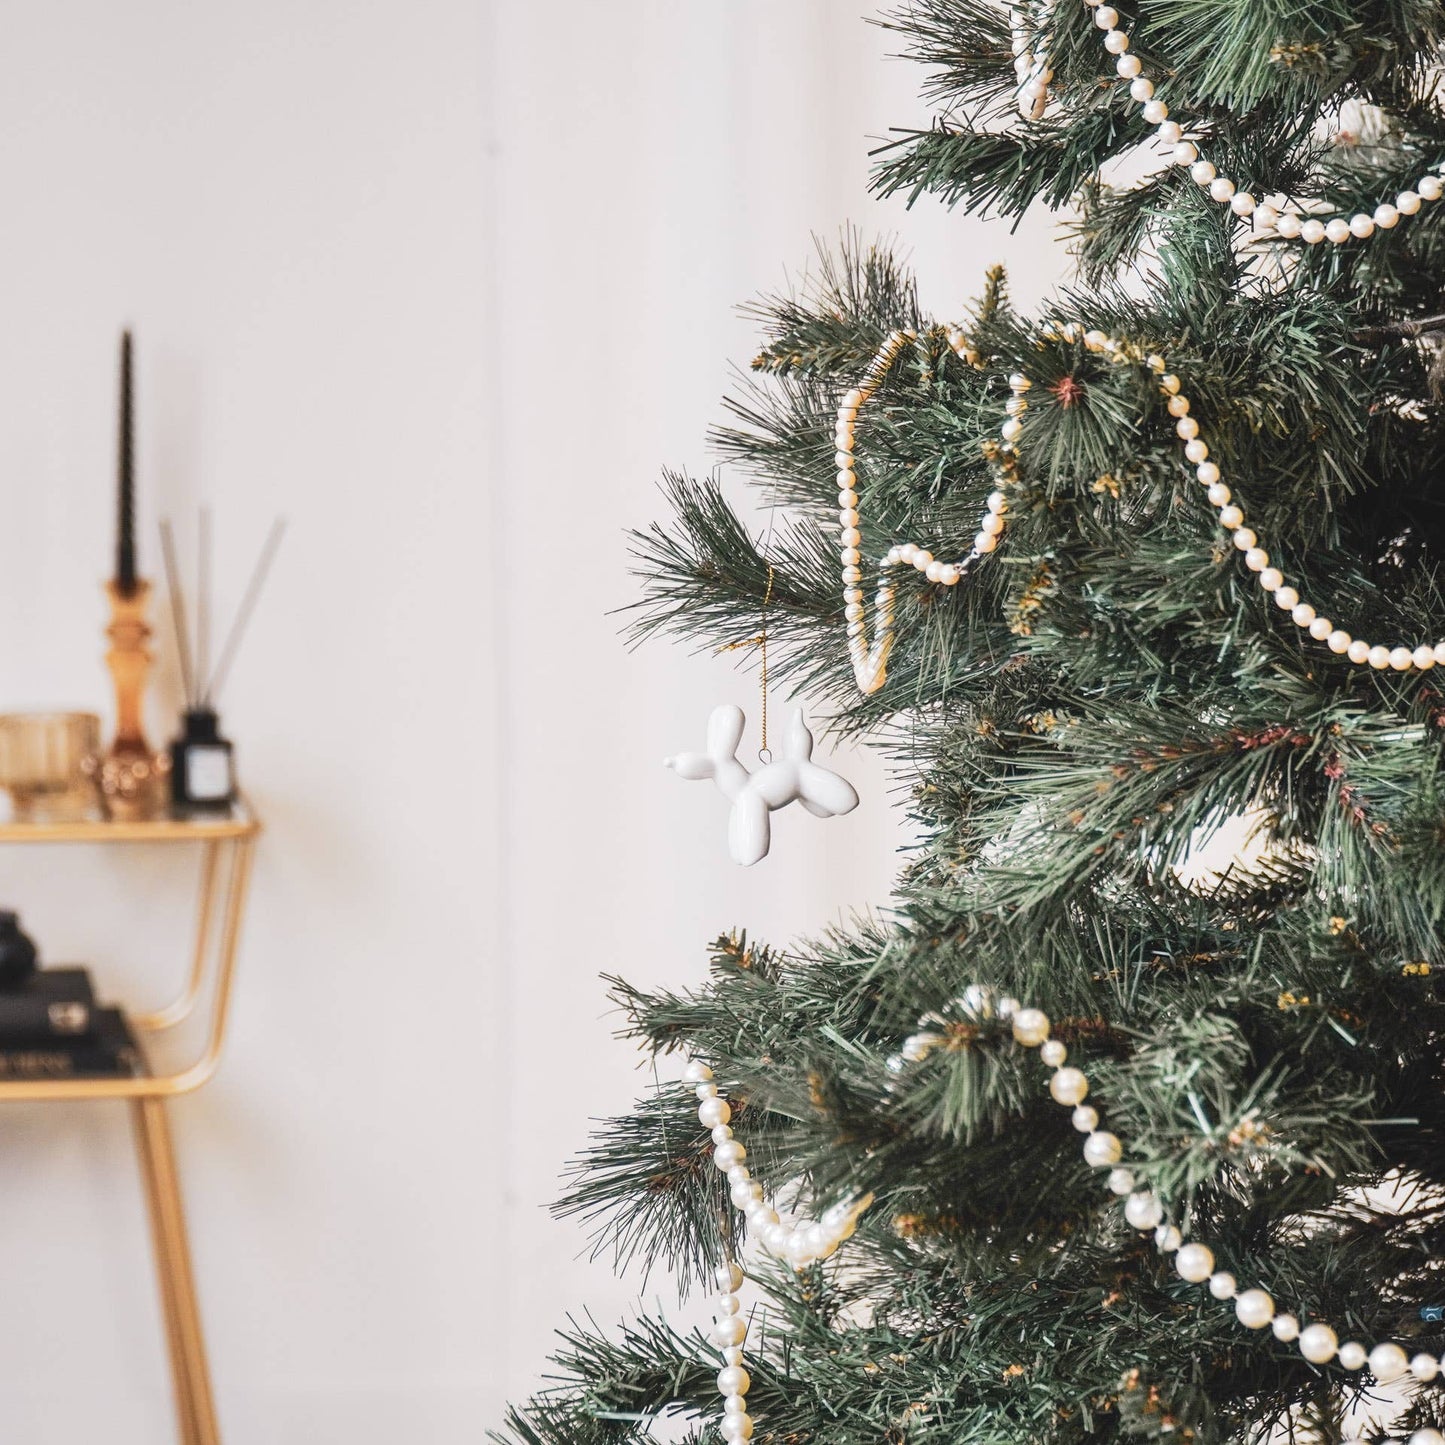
765	754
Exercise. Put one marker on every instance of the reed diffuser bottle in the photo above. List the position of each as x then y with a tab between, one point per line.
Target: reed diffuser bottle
203	764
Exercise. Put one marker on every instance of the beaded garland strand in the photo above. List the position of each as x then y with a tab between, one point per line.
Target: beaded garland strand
1034	75
870	660
799	1246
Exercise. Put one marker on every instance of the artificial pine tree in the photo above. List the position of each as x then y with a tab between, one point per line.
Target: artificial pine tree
1117	667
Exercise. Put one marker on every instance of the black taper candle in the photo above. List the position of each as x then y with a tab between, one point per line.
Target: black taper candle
125	572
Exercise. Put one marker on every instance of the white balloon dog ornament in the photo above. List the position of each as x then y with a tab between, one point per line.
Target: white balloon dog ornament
823	793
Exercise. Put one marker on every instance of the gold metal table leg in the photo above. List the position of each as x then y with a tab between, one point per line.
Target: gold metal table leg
195	1409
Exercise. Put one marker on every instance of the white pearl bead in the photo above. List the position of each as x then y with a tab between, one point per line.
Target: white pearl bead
842	459
1426	1436
1053	1053
1195	450
1030	1027
736	1428
735	1405
1128	66
1440	652
1208	475
712	1112
1102	1149
742	1195
1388	1362
1321	628
1167	1239
1303	615
774	1239
1288	225
1338	640
1256	559
1358	651
1170	132
1011	429
1116	42
1178	406
1401	658
1271	579
734	1380
921	558
1337	230
983	543
1386	216
1186	153
1286	598
1106	17
1362	226
1244	538
1202	172
729	1330
728	1277
1187	428
1423	657
850	556
1195	1262
1407	203
1242	204
934	571
949	575
1254	1309
1143	1211
1424	1367
991	523
1312	232
1266	217
1169	383
727	1154
1285	1327
1221	188
1069	1086
847	516
1430	188
1155	111
1317	1343
851	536
1222	1284
1379	657
696	1072
799	1250
997	502
1351	1355
1121	1181
1231	517
1142	90
1219	494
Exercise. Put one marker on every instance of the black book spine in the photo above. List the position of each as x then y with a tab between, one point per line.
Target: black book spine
53	1003
111	1053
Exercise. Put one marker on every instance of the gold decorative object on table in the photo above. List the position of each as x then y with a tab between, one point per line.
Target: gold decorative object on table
130	776
45	763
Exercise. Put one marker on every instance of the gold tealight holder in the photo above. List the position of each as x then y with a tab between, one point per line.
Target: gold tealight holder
46	763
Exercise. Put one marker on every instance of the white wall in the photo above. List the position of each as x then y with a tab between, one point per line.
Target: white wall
447	283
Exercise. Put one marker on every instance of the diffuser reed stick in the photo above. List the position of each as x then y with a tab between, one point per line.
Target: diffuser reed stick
243	613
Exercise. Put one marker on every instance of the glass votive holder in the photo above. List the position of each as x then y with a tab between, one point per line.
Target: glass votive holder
43	757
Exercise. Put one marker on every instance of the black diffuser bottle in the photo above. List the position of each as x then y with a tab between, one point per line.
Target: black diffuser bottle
203	765
17	952
203	772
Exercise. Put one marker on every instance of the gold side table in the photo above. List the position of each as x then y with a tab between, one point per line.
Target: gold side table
227	842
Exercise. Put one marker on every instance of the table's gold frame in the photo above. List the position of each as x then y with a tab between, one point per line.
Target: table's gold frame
227	845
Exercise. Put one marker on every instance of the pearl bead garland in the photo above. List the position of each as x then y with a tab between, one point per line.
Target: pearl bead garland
798	1244
1254	1308
870	660
1285	225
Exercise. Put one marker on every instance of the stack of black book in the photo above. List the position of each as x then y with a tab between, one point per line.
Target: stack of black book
51	1026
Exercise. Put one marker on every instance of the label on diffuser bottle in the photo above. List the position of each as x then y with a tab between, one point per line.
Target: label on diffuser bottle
208	773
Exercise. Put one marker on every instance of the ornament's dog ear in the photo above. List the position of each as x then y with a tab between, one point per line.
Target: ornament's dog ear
724	732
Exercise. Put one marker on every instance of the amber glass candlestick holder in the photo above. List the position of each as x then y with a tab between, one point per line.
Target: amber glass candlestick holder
130	775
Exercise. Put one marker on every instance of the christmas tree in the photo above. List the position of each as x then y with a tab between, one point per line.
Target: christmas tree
1128	1117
